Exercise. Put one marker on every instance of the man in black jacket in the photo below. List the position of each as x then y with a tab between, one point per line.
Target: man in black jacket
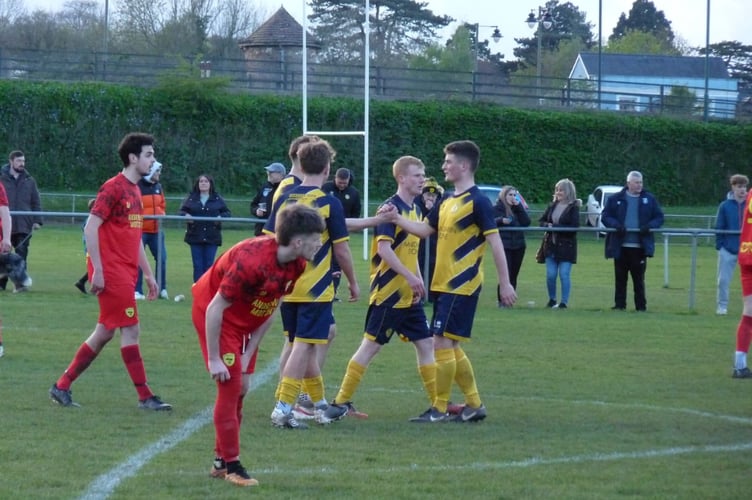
261	205
23	195
342	189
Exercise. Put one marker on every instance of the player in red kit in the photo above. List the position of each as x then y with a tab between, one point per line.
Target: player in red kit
232	309
5	246
115	252
744	330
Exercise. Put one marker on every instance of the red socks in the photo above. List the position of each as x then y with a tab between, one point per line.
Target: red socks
131	355
744	334
81	361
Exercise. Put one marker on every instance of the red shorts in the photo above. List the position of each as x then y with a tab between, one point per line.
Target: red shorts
117	306
746	277
231	346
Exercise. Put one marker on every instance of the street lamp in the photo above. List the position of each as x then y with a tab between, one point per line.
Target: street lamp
496	36
544	21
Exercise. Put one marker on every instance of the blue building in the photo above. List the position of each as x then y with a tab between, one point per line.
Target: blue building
646	82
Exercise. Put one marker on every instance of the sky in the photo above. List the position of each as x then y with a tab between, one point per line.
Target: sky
729	19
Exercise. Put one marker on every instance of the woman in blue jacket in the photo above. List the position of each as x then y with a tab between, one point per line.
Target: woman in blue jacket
203	236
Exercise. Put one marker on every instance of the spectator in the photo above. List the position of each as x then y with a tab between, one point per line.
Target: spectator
509	212
81	283
152	196
428	198
203	236
342	189
113	233
262	202
23	195
633	212
561	246
729	218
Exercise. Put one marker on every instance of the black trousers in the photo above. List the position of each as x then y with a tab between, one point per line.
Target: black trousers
514	263
632	262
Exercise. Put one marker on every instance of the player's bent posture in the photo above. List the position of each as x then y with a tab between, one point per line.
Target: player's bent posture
115	252
464	223
232	309
396	290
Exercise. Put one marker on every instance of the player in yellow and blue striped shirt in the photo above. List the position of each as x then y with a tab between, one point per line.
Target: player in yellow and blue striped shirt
396	291
464	224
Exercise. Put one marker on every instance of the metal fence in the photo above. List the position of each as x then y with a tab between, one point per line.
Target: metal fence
285	77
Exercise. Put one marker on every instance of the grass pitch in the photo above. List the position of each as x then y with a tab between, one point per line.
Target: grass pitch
582	403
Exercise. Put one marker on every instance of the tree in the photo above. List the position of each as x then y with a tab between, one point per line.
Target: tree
10	10
641	42
680	101
643	16
235	20
738	58
399	28
569	24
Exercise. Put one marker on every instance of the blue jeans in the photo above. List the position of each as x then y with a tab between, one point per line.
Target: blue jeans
203	258
726	266
155	242
563	270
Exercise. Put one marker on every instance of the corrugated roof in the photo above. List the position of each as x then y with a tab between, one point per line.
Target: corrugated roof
654	65
280	30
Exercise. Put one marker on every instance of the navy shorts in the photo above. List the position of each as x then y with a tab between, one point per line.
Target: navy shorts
307	321
409	323
453	316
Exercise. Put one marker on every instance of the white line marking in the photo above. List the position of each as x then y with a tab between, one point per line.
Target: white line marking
529	462
104	485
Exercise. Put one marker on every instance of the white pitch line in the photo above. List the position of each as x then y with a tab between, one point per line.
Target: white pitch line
104	485
529	462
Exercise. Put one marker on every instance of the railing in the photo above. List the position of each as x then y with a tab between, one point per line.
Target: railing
693	233
285	77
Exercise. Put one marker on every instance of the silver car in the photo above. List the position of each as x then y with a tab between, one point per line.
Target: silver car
596	201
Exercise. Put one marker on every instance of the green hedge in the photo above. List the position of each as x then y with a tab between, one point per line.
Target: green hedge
70	132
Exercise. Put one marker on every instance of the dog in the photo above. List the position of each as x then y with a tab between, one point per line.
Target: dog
13	266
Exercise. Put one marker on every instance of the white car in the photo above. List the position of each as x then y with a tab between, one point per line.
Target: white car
596	201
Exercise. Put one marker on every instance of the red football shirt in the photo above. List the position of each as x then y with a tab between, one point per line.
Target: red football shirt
118	204
3	202
249	276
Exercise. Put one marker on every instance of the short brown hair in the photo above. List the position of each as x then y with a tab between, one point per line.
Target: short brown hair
465	149
292	152
315	157
15	154
297	220
739	180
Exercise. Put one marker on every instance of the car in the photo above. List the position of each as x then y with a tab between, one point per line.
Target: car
597	201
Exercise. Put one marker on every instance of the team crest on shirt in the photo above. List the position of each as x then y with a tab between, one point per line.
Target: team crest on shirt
130	311
229	358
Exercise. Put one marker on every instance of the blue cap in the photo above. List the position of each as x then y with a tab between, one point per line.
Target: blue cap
276	168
